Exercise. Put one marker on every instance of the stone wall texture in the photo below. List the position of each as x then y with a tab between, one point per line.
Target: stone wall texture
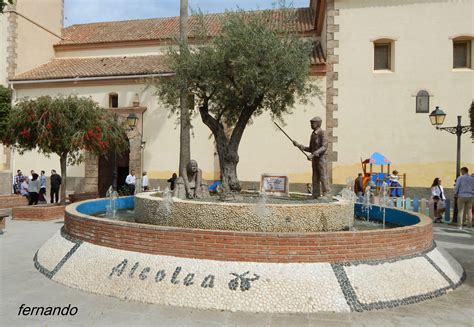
298	217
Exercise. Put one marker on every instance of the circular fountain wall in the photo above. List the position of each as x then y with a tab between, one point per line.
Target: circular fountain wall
308	216
338	271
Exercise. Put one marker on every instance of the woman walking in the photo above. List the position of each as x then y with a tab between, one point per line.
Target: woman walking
437	195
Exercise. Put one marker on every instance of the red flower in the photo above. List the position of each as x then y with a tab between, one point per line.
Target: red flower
25	133
49	126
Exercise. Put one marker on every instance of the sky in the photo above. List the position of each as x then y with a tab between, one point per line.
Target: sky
88	11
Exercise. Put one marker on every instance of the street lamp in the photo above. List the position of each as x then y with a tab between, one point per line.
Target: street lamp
437	117
132	120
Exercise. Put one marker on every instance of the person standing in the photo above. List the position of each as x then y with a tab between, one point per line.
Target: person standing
131	181
318	146
359	185
144	181
42	191
19	178
33	189
438	197
55	181
31	174
172	181
464	192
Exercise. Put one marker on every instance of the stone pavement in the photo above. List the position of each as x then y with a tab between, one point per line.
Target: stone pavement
21	283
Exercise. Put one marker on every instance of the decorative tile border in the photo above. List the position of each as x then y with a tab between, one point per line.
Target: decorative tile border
357	306
234	286
50	274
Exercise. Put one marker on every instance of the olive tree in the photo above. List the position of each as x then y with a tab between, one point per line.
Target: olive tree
253	66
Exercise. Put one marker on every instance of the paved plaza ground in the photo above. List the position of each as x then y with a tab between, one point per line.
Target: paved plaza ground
21	283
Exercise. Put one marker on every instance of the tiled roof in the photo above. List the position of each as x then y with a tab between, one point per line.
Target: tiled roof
165	28
97	67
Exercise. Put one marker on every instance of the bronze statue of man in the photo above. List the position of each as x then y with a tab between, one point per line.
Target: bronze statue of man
318	149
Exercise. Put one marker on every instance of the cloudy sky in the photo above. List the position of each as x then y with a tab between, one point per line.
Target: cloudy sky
87	11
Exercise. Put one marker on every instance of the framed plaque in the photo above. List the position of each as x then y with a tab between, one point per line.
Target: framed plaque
276	184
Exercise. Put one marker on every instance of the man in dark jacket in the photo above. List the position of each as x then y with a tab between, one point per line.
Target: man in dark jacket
55	185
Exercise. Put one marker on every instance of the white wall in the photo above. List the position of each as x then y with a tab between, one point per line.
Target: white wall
377	110
263	147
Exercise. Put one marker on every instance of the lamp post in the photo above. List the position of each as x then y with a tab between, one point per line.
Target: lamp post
437	117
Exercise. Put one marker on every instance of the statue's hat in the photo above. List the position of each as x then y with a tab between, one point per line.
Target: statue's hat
317	118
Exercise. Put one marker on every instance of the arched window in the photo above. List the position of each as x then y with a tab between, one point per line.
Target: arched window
113	100
422	102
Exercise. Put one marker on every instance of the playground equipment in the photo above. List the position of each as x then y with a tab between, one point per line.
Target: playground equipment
396	182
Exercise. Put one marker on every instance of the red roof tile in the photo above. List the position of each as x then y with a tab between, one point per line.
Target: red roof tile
165	28
97	67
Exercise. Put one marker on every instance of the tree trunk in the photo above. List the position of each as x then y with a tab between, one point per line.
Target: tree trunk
63	160
229	172
185	135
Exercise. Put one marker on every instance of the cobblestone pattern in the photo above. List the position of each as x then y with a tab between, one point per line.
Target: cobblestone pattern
249	287
245	217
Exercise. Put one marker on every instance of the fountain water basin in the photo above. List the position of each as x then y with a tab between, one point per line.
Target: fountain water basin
259	216
252	271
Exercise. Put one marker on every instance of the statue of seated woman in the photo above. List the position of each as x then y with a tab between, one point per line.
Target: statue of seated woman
192	186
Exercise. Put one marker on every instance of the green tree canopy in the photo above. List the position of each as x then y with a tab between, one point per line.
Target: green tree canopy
252	67
67	126
3	4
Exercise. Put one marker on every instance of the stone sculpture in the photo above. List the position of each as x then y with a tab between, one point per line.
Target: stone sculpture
318	148
190	184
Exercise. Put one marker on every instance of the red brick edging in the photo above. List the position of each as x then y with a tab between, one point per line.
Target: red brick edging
12	200
252	246
38	212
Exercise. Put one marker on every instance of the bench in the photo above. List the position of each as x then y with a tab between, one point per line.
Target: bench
77	197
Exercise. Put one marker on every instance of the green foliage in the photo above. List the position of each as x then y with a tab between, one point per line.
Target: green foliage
471	116
67	126
251	65
124	191
5	108
3	4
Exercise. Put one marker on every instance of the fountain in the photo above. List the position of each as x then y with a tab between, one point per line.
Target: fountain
290	254
111	208
384	200
366	202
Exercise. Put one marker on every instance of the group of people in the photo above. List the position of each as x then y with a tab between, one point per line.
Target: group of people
463	195
33	187
131	181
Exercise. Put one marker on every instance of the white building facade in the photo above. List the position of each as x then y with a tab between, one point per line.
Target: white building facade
375	58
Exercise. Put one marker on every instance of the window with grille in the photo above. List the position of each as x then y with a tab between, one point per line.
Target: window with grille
382	56
462	54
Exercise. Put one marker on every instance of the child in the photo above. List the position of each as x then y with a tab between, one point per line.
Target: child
440	206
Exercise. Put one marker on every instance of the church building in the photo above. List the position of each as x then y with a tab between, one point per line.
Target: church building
383	66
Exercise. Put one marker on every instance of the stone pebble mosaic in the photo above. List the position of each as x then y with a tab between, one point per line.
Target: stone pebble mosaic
248	286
